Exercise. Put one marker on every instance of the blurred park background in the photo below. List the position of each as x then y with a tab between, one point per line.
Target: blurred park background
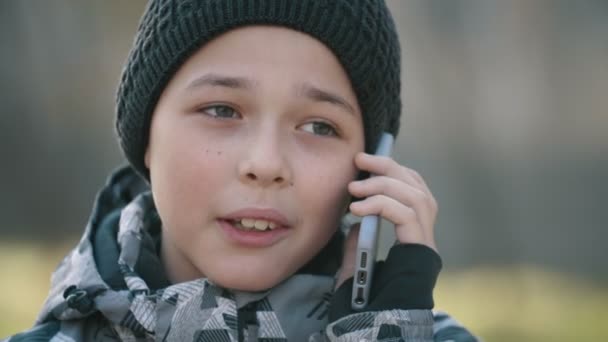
505	115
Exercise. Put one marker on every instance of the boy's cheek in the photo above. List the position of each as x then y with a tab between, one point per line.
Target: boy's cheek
147	157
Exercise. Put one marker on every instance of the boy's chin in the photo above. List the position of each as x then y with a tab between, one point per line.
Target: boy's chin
245	282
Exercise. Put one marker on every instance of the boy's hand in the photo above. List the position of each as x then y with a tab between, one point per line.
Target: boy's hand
396	193
399	195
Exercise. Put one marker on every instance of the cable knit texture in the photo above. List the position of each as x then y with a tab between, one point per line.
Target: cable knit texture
361	33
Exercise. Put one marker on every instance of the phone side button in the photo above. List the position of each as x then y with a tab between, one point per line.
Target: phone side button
363	259
359	299
361	277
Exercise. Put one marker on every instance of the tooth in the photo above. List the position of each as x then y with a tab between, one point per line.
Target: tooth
248	223
272	225
261	224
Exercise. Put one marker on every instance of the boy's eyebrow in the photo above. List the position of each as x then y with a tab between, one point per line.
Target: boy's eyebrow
212	79
320	95
304	89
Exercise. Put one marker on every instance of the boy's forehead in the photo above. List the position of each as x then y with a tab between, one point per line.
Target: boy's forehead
269	41
250	57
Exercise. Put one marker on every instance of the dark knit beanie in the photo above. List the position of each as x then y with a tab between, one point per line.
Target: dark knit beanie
361	33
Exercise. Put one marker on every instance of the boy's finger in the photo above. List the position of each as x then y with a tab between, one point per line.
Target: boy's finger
387	166
420	180
411	196
407	223
391	187
379	165
348	260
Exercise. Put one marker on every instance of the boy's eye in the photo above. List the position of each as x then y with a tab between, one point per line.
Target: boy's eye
319	128
221	112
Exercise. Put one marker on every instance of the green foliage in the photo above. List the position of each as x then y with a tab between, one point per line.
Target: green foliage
525	304
26	271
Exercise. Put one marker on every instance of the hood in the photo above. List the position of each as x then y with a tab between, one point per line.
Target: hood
115	269
79	271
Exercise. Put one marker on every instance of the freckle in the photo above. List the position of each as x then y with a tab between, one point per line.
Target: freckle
219	153
291	183
207	151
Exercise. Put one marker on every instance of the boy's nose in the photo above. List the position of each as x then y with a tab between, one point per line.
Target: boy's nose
264	163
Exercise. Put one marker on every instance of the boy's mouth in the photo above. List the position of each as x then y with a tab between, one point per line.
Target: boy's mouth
253	227
249	224
260	220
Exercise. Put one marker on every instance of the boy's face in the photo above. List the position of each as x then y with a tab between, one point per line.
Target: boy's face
259	127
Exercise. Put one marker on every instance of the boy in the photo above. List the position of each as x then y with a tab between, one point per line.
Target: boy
245	125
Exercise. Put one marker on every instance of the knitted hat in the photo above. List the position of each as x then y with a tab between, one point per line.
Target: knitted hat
361	33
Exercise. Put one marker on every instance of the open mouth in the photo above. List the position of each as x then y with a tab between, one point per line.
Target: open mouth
250	224
254	227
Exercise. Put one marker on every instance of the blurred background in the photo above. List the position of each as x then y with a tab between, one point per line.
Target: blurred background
505	116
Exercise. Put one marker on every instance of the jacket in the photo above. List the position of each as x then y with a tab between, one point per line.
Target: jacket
112	287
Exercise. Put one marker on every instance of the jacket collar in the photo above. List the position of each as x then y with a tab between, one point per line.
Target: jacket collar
115	268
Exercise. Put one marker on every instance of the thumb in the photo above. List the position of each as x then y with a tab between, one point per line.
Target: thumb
348	260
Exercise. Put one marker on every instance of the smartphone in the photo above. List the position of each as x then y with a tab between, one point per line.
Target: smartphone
367	244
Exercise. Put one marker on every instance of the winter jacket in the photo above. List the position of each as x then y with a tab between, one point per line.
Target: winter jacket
112	287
